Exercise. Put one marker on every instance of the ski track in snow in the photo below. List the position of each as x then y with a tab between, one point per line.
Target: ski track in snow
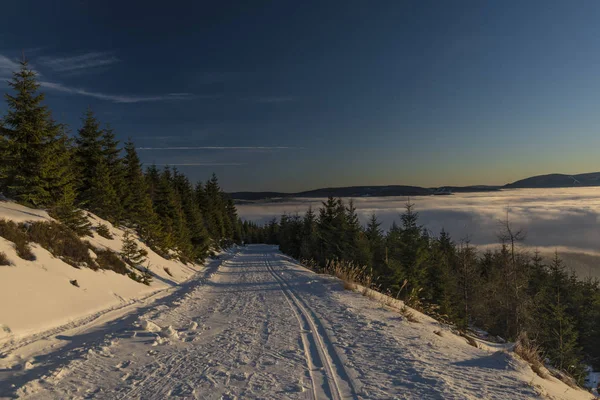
264	327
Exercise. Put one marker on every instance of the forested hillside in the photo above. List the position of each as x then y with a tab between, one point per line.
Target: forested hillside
43	167
507	292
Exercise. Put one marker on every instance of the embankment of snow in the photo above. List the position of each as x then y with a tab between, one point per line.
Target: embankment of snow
435	350
38	295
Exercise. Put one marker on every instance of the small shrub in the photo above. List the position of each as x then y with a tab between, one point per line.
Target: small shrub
134	276
74	283
130	251
61	242
146	276
409	315
110	260
530	352
168	271
103	231
470	340
11	232
4	259
349	272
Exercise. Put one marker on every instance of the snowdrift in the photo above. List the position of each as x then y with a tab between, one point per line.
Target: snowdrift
38	295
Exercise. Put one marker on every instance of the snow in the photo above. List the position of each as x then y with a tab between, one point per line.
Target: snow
38	298
256	324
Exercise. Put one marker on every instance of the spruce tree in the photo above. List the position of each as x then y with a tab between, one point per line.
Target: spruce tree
309	245
214	210
88	154
137	204
558	335
29	169
375	238
358	250
130	251
103	199
96	190
198	235
112	158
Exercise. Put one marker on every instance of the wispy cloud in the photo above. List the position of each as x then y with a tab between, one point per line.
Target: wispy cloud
272	99
117	98
79	62
7	66
222	148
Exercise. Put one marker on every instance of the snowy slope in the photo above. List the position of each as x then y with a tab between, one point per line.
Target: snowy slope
36	296
262	326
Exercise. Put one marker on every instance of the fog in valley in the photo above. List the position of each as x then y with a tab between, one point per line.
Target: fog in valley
564	219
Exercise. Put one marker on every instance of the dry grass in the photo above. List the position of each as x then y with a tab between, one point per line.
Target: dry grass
469	340
61	242
530	352
110	260
354	276
348	272
4	259
409	315
13	233
103	231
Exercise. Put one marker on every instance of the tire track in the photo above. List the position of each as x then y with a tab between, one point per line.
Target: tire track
322	367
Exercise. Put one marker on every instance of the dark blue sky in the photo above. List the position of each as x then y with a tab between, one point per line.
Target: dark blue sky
301	94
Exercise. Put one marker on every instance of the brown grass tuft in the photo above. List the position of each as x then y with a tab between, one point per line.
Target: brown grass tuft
409	315
469	340
4	259
110	260
61	241
102	230
10	231
530	352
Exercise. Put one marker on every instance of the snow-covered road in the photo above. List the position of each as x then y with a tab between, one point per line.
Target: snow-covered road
264	327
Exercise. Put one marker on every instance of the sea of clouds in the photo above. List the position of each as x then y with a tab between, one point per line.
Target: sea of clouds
566	220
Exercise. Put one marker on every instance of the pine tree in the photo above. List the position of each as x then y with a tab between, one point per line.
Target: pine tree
65	211
137	204
31	138
88	154
466	277
96	190
357	244
146	275
197	235
103	198
377	248
113	161
331	230
309	245
214	210
558	334
130	251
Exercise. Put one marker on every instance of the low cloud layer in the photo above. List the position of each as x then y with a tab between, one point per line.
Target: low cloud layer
562	219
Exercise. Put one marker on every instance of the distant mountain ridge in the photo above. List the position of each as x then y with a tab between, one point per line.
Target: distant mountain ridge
534	182
557	180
